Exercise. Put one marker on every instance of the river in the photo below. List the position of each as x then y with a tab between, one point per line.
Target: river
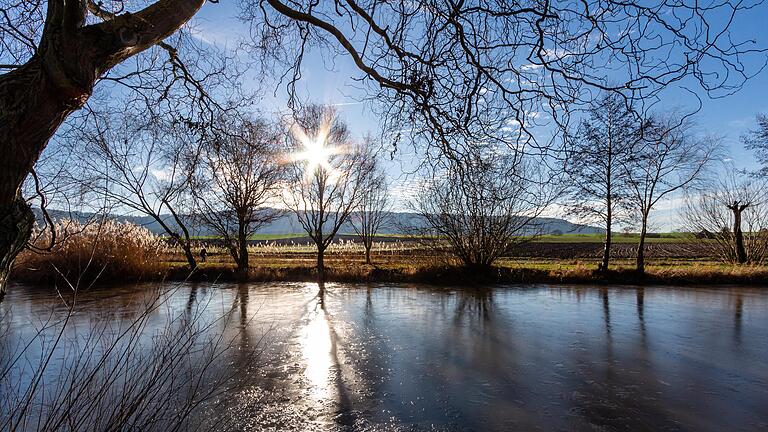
399	357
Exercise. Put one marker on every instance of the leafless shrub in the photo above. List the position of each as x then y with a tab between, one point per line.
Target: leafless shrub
480	211
125	371
238	176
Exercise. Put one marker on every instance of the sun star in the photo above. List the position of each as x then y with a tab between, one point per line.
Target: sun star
316	153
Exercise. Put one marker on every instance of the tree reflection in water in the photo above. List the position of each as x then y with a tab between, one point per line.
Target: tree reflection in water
502	358
321	352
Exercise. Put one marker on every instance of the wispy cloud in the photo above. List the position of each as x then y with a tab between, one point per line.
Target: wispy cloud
338	104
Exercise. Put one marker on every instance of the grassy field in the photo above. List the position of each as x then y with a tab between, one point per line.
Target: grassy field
617	238
548	238
423	268
567	258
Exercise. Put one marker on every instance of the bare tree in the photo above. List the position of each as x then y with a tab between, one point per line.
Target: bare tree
373	210
55	52
141	164
731	217
456	73
237	179
327	176
481	210
757	141
664	159
597	182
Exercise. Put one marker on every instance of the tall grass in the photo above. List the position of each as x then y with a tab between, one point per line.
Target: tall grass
87	252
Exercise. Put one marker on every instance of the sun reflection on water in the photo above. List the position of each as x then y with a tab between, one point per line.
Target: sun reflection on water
317	350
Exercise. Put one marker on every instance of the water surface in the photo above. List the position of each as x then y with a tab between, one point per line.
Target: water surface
409	357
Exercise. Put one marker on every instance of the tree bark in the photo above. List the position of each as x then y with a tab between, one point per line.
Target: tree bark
58	79
607	246
16	223
190	256
320	266
367	253
242	245
641	245
187	248
738	234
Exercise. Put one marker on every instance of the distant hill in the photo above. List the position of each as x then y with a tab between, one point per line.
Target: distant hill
288	223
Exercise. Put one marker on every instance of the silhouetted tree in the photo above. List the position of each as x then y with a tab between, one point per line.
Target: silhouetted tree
55	52
665	159
373	209
326	176
238	176
598	151
141	164
757	141
734	201
452	74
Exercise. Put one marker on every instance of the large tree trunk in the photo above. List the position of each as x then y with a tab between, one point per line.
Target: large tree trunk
16	223
58	79
32	107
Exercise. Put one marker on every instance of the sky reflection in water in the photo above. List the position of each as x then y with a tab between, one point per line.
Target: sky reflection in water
502	358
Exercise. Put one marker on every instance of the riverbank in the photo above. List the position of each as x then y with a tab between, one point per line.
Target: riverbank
525	272
434	270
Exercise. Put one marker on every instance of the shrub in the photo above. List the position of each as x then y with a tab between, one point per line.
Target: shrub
94	251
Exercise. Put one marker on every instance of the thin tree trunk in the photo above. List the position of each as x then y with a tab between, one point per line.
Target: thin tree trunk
607	246
242	243
738	235
641	245
185	246
367	253
191	261
190	255
321	266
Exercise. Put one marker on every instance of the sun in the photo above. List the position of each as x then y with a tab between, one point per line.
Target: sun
316	153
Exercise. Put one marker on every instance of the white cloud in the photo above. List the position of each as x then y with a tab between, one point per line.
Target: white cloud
531	67
161	174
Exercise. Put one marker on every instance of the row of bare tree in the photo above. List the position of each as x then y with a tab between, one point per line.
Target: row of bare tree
616	169
236	178
248	171
619	166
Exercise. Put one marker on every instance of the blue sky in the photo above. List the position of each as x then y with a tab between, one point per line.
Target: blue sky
333	83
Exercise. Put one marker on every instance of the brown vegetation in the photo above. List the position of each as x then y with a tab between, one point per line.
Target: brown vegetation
116	252
104	251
